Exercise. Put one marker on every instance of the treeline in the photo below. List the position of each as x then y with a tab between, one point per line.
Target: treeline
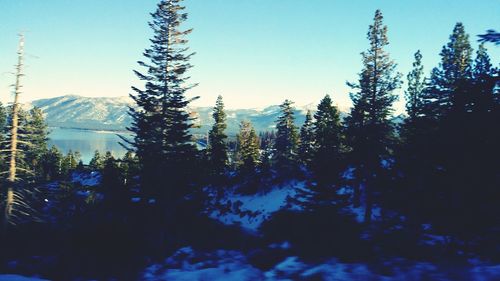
440	166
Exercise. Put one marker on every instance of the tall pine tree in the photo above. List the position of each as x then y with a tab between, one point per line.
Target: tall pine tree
369	125
454	69
35	132
161	121
248	153
416	84
327	160
285	145
217	147
307	141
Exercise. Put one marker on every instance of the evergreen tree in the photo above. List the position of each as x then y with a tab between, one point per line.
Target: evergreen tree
70	162
328	142
217	147
369	126
130	167
97	162
307	141
51	164
113	182
410	158
416	84
34	130
286	142
161	121
454	69
247	148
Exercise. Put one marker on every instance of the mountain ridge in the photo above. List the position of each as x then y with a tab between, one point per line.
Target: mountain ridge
111	113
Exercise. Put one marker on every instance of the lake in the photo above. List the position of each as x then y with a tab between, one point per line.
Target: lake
87	142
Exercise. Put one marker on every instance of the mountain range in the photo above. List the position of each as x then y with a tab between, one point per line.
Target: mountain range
111	113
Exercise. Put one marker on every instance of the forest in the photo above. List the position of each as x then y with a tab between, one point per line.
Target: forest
365	195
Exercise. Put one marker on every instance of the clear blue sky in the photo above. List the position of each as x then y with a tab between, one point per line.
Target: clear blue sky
253	52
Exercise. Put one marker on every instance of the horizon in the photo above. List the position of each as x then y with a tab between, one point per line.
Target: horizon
246	70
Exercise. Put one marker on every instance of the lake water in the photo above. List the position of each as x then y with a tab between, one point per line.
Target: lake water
87	142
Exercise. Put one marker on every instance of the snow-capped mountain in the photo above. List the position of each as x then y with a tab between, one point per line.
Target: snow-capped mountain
86	113
112	114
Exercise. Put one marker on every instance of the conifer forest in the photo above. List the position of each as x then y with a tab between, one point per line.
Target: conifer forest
368	193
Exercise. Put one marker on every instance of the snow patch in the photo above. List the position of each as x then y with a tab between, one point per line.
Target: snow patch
250	211
86	178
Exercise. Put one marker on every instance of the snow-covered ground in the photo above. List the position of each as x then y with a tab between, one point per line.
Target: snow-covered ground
250	211
189	265
86	178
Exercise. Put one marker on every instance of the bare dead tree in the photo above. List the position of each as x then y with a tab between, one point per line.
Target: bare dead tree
13	150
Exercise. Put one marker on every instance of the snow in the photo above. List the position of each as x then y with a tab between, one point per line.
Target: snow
250	211
348	174
290	265
221	265
11	277
359	213
86	178
188	264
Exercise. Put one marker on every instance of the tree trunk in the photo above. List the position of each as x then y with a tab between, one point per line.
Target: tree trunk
13	134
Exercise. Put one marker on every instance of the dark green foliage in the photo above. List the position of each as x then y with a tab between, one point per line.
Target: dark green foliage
307	141
327	161
248	153
414	122
161	121
70	162
455	68
130	167
51	164
97	162
286	142
267	140
217	148
490	36
370	131
416	84
37	135
113	182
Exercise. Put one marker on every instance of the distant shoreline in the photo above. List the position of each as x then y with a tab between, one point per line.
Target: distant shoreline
102	131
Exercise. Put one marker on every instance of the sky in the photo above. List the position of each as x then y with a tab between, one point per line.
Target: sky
254	53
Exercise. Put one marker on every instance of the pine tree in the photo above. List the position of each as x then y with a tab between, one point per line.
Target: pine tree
217	147
161	121
454	69
35	132
413	141
328	142
369	126
130	167
286	142
97	162
416	84
113	182
51	164
70	162
247	149
413	123
307	141
460	153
